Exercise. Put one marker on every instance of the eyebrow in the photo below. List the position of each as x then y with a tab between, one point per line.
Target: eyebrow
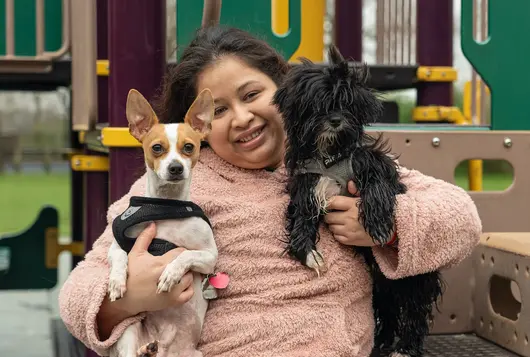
241	88
246	84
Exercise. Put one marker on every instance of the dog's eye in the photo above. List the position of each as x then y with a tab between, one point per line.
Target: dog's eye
157	148
188	148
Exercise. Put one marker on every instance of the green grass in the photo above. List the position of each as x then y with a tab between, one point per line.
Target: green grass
23	195
27	193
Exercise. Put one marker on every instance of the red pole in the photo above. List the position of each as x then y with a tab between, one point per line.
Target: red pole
434	38
349	28
137	33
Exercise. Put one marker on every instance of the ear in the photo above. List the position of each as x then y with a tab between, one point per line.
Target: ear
140	114
334	54
201	112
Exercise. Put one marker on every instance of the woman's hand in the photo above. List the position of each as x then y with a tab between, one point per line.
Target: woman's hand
144	270
344	223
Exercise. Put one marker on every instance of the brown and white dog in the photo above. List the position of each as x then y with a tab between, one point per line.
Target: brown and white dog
171	151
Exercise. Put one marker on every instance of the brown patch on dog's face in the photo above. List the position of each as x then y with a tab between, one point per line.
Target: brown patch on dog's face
156	146
189	142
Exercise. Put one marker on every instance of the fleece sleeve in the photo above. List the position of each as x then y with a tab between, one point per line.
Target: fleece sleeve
85	288
437	226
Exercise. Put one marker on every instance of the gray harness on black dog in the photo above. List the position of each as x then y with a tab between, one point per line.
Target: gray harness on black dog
337	167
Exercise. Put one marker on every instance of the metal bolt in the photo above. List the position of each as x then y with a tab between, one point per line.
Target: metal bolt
507	142
435	141
77	163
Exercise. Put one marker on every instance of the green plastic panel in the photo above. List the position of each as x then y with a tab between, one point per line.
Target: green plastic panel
254	16
501	59
25	26
22	256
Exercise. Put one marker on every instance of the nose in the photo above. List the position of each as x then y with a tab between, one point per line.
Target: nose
242	116
335	121
175	170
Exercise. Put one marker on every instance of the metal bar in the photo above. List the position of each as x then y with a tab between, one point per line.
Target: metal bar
409	30
379	31
434	48
65	47
394	30
39	28
10	28
133	64
483	36
349	28
388	14
402	31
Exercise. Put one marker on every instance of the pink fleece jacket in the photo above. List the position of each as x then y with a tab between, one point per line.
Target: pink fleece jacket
274	306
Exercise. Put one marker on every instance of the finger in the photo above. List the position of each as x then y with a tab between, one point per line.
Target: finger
339	230
186	295
341	203
183	287
342	239
144	239
352	189
336	217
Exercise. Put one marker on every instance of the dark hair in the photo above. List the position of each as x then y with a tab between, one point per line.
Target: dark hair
180	82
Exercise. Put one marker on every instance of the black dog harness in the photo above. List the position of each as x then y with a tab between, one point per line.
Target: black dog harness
145	209
337	167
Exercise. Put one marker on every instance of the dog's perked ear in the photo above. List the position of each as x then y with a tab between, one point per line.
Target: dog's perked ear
334	54
140	115
201	112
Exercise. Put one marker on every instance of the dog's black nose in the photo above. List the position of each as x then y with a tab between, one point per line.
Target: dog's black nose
175	169
335	121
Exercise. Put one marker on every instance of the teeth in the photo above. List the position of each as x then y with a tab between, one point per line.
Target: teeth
251	136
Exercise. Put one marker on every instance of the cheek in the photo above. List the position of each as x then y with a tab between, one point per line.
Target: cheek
218	136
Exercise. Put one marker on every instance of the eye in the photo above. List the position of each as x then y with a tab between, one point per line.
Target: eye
157	148
219	110
251	95
188	148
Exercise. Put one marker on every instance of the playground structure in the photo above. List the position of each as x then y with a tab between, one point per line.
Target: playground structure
92	47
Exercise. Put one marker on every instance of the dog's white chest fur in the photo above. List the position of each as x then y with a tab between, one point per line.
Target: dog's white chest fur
324	190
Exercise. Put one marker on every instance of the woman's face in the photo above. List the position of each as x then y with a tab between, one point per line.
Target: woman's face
246	130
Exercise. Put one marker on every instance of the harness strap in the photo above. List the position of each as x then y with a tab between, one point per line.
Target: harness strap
146	209
338	168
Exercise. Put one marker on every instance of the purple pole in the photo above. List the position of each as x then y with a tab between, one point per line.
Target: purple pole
137	32
96	183
434	38
349	28
96	189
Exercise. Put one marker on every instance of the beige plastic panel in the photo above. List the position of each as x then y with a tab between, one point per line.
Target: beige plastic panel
437	154
502	294
84	77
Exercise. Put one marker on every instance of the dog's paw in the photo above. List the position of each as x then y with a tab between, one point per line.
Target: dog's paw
148	350
169	277
315	261
117	286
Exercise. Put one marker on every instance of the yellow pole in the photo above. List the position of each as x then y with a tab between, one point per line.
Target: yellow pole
475	167
312	23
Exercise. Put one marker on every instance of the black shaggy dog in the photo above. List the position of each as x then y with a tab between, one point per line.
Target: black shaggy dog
325	109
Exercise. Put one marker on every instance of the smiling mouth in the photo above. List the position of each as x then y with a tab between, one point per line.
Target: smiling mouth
251	136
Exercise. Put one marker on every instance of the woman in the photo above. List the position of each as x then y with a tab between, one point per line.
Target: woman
273	305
